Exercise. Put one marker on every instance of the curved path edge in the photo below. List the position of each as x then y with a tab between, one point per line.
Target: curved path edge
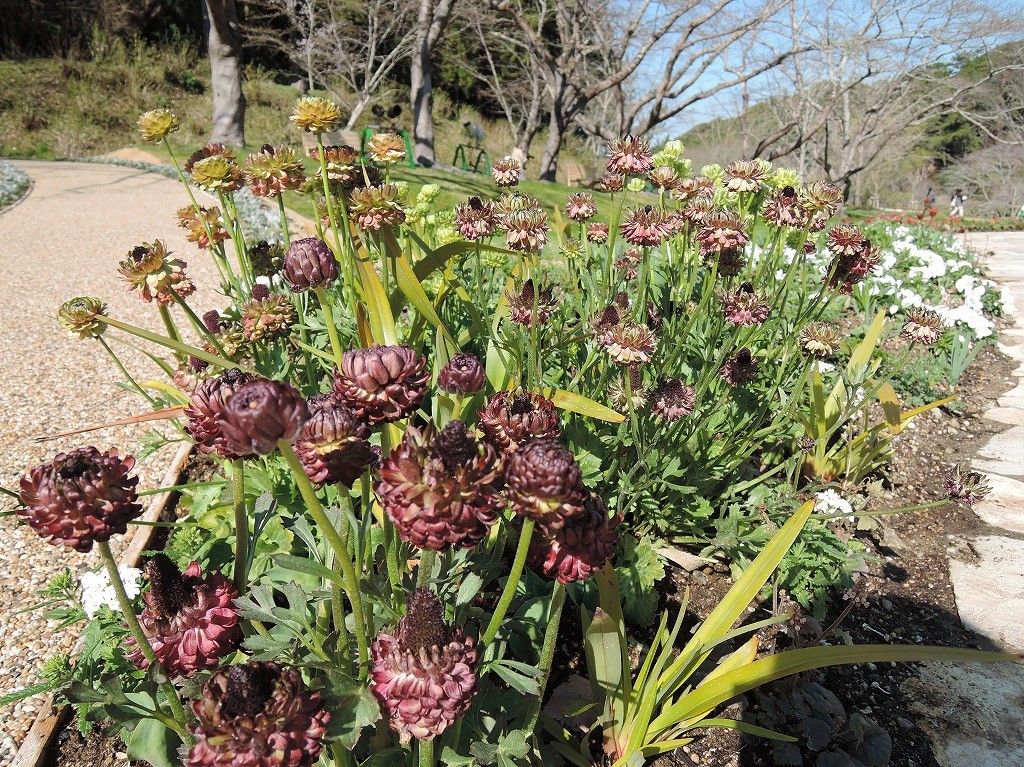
974	715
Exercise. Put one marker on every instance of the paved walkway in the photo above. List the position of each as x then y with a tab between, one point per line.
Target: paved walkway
977	713
65	239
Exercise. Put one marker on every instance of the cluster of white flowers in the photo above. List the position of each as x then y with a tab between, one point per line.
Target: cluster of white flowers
962	303
829	501
97	591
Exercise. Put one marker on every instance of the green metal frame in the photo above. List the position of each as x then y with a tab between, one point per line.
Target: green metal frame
461	159
368	133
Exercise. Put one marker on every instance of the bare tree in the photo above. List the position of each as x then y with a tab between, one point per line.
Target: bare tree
636	63
871	76
431	19
350	48
508	69
993	178
714	47
224	47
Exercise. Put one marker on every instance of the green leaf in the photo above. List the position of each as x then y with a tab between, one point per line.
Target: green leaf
27	692
389	757
353	708
382	321
307	566
747	729
862	354
448	757
727	686
604	656
733	604
577	403
410	285
151	742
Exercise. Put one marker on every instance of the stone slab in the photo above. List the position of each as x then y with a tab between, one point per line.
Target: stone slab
969	713
1004	506
1005	444
1012	416
990	592
1015	351
1006	468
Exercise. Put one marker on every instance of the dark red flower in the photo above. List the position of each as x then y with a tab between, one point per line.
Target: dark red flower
190	621
259	414
382	383
80	497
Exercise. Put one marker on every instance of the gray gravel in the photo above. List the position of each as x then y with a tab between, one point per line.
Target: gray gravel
65	239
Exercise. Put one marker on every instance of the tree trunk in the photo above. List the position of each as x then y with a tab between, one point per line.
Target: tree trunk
430	24
224	47
421	91
549	160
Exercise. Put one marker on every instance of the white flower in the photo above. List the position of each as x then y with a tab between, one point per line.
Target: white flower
97	591
831	501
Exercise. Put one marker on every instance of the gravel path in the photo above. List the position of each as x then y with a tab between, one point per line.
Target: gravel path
65	239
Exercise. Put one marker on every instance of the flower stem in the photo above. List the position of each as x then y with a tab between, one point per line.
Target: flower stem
170	343
337	543
172	331
140	637
332	215
124	371
426	752
241	525
510	585
332	329
547	652
284	220
426	567
196	322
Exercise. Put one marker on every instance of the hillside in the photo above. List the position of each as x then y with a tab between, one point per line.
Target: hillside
65	107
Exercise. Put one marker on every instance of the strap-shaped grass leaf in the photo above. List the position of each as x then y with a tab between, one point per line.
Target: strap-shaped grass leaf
577	403
733	604
727	686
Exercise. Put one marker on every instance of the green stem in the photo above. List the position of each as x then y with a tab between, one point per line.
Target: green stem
284	220
332	329
547	652
241	525
145	647
196	322
172	331
124	371
170	343
426	567
511	584
426	751
332	215
337	543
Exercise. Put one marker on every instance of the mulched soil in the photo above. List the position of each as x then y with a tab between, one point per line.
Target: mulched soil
910	595
910	598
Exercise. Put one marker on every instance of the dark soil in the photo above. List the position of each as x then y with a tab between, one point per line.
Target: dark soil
910	597
99	749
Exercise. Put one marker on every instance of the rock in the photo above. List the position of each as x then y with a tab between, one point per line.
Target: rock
968	714
684	559
1004	506
1012	467
990	594
302	86
1012	416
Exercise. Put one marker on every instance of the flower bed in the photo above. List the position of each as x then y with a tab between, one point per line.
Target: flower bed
426	446
14	184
